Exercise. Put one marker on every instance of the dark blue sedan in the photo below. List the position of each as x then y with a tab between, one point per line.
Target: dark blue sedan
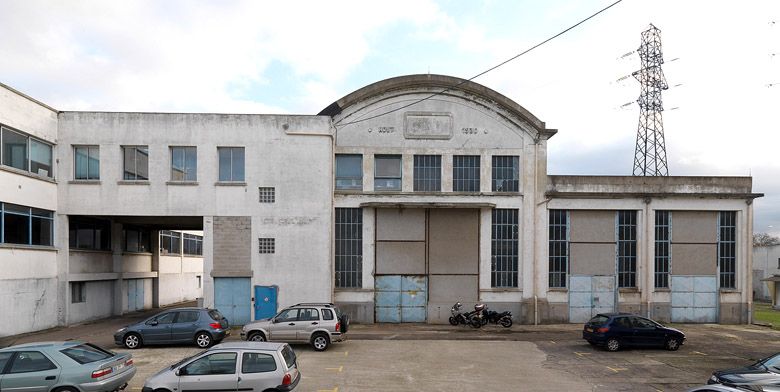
616	330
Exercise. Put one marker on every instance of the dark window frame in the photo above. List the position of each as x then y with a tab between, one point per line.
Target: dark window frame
349	247
663	248
167	242
78	225
267	194
727	249
626	255
35	217
141	237
90	151
137	151
383	178
505	248
559	236
427	173
266	245
192	244
346	181
78	292
506	173
466	173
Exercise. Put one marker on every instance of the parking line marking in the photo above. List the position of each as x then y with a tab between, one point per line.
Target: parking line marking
329	390
552	341
697	352
338	369
581	354
616	369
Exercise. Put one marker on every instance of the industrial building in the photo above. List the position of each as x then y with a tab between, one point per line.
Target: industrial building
393	211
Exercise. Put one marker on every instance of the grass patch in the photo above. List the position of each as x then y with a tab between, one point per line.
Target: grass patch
764	313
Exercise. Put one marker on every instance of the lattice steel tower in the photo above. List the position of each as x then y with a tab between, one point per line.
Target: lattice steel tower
650	154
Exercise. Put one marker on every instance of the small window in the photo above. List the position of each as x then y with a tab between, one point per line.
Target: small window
4	357
31	361
40	158
78	292
289	357
231	163
215	315
427	173
184	164
165	318
287	315
15	149
86	353
506	173
193	244
778	262
136	163
327	314
200	282
218	363
465	173
349	171
170	242
387	173
308	314
257	363
86	162
267	194
187	317
267	245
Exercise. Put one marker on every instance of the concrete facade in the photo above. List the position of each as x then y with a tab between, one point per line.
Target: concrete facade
278	226
766	263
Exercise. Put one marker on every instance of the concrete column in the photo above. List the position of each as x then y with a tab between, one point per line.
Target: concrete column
119	287
62	242
446	175
155	244
368	172
407	173
208	261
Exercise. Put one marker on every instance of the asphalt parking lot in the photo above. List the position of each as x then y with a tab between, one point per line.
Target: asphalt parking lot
445	358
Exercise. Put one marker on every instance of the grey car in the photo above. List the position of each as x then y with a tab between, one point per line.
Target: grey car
203	327
233	366
319	324
63	367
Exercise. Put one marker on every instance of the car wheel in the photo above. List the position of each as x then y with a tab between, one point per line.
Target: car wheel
320	342
66	389
613	344
256	337
161	390
203	339
453	321
672	344
475	323
132	341
505	322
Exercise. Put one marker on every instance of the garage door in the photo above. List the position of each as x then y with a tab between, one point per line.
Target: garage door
232	297
401	298
694	299
589	296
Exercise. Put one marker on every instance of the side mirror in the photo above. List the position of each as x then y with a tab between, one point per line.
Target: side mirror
181	372
153	322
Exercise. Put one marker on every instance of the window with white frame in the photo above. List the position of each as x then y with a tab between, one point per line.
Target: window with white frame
24	152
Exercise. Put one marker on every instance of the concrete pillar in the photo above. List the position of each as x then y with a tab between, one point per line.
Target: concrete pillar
62	242
208	261
155	244
119	287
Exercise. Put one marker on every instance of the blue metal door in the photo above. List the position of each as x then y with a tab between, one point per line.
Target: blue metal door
135	294
265	301
401	298
232	297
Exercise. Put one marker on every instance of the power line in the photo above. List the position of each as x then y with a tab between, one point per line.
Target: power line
483	72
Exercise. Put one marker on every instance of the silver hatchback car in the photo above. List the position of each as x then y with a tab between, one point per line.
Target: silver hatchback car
318	324
234	366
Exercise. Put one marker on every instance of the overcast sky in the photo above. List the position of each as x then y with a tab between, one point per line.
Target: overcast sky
298	57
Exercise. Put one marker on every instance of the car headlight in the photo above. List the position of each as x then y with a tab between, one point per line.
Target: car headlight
120	330
713	378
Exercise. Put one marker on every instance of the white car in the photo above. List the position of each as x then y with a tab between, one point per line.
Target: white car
234	366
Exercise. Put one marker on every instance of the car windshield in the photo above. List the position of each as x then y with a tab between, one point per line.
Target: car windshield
772	362
87	353
215	315
289	356
185	359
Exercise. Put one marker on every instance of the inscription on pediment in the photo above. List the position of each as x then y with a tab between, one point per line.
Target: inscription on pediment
427	125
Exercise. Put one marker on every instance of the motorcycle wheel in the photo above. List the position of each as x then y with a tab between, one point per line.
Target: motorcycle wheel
453	321
475	323
505	322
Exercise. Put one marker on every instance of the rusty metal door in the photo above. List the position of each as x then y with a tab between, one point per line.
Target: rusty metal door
401	298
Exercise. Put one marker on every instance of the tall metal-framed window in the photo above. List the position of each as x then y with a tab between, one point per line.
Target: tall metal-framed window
349	247
387	172
465	173
727	249
558	247
86	162
506	173
170	242
663	247
626	248
24	152
231	164
135	163
137	239
184	164
349	171
504	248
193	244
427	173
26	225
89	233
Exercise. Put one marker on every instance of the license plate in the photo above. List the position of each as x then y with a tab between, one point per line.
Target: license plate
227	332
588	329
120	366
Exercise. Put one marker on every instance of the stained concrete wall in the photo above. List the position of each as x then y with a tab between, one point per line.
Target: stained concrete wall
99	304
766	262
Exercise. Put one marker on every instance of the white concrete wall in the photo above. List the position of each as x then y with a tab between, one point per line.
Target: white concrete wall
178	279
766	260
99	304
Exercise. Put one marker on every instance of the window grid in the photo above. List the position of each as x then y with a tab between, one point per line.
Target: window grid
24	152
136	163
349	171
727	248
559	247
193	244
267	245
427	173
387	172
231	164
349	247
506	173
86	162
663	245
170	242
504	248
626	248
184	164
465	173
26	225
267	194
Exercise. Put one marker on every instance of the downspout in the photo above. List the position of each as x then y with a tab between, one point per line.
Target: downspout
535	220
649	277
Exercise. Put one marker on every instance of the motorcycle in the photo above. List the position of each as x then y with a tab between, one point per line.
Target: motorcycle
459	317
501	318
477	318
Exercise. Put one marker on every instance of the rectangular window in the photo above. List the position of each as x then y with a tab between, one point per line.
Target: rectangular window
504	248
87	233
663	246
506	173
170	242
40	158
427	173
26	226
15	149
231	163
267	194
137	240
26	153
349	247
86	162
626	252
200	281
465	173
78	292
184	164
349	171
387	173
193	245
267	245
727	249
559	247
136	163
